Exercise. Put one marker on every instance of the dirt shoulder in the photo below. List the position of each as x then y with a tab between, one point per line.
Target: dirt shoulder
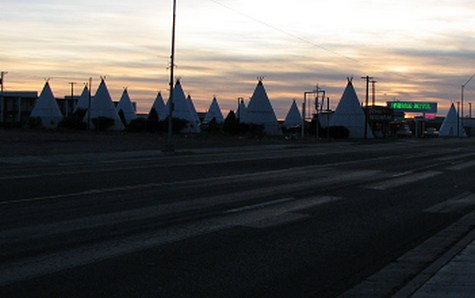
17	142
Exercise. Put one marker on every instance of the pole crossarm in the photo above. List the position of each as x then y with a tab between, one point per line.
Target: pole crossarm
461	96
468	81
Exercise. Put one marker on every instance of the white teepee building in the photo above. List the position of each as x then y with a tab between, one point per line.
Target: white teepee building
126	108
293	117
260	111
83	102
193	110
350	114
241	111
183	109
214	112
46	108
450	127
102	106
158	108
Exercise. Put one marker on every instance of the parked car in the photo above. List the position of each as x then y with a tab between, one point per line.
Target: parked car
431	132
404	131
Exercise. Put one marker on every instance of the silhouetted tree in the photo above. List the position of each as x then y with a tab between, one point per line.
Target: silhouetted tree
231	124
102	123
122	117
75	120
153	115
137	125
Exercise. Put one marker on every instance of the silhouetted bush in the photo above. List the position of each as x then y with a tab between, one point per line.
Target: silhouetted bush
153	115
251	130
177	125
292	133
231	124
137	125
102	123
311	129
338	132
34	122
122	117
154	126
213	127
74	120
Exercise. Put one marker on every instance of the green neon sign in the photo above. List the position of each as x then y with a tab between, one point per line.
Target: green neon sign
413	107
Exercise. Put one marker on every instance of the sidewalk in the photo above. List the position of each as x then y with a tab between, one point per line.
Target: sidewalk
442	266
455	279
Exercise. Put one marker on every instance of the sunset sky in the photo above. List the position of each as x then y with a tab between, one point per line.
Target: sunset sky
420	50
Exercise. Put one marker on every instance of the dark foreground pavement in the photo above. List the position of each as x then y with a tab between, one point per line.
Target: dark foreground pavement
358	219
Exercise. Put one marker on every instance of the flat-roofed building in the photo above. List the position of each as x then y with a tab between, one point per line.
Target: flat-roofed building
16	106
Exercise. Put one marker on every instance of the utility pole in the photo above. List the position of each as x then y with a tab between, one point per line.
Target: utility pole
367	78
373	91
304	107
169	145
458	116
318	91
470	110
461	97
72	95
2	105
3	73
89	105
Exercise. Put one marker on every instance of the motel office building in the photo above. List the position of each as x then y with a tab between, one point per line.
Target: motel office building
16	106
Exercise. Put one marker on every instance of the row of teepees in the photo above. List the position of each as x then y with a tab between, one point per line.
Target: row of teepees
348	113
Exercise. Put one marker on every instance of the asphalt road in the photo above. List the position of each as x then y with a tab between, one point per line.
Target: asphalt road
264	221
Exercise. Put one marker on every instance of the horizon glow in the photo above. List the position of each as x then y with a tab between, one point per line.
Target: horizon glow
420	51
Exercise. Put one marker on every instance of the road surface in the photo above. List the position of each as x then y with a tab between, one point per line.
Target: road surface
262	221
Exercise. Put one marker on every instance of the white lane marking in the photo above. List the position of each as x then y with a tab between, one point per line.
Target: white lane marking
402	174
326	178
453	205
256	206
277	220
22	269
402	180
274	214
462	165
455	155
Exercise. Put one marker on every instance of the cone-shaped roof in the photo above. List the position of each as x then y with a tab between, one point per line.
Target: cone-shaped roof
125	105
183	109
293	117
159	107
214	112
46	108
350	114
241	111
260	111
102	106
192	109
83	102
450	127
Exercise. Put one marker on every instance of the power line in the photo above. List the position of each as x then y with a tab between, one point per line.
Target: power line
305	40
295	36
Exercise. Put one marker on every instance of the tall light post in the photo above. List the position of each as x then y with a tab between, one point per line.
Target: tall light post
366	120
72	96
89	104
461	97
304	108
2	82
169	145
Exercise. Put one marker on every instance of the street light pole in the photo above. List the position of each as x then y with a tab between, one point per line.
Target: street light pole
89	104
367	79
2	105
72	96
461	97
169	146
304	108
